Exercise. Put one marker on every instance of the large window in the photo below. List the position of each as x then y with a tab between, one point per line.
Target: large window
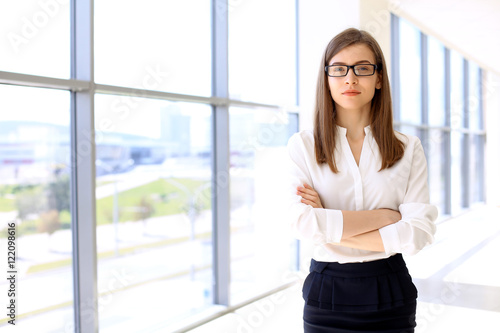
139	155
439	98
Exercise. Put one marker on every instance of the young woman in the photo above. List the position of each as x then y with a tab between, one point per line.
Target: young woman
359	192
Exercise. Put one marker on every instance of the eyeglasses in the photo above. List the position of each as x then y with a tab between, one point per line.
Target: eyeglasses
342	70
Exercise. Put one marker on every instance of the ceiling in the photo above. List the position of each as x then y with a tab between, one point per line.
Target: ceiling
471	27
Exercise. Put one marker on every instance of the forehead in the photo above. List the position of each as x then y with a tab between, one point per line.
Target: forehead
353	54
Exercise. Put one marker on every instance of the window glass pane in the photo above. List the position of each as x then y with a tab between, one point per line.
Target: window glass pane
436	84
153	207
410	73
258	140
477	168
474	98
456	172
35	195
154	45
35	37
457	90
262	51
435	164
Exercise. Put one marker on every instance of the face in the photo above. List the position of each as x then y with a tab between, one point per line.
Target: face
353	92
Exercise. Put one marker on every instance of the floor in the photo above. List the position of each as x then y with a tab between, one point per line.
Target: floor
458	279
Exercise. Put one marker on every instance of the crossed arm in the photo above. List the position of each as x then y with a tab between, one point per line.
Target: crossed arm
360	227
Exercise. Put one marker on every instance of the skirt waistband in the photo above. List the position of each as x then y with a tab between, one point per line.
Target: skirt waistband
368	286
362	269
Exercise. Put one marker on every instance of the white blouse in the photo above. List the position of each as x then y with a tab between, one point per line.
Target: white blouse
403	187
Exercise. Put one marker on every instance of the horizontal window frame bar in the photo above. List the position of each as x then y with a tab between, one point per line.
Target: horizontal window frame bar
37	81
441	128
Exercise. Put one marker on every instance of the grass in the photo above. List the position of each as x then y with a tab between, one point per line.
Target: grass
7	205
161	197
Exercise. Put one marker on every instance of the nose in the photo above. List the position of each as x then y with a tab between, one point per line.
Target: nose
351	78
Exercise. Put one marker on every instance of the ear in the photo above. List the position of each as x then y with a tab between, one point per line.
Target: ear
378	85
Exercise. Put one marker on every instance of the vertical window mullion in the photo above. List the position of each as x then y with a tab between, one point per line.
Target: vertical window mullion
481	138
395	85
466	161
446	171
83	170
424	88
220	139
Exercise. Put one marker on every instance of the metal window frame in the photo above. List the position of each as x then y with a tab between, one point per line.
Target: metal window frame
424	90
481	139
83	215
395	54
220	160
446	129
446	166
465	142
83	89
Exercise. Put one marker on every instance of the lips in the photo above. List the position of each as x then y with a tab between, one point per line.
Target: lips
351	92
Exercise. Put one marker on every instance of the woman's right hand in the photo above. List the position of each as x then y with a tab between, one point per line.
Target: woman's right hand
309	196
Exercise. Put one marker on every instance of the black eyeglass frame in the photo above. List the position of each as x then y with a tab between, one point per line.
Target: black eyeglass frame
375	67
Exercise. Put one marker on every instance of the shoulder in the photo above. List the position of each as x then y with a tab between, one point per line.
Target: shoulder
410	141
414	151
302	139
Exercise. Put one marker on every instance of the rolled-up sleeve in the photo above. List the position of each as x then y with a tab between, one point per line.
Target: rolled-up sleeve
416	228
315	224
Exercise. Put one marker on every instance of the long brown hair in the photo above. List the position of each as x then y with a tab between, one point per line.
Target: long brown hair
325	116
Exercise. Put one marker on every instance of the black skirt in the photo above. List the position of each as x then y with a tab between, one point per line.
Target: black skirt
376	296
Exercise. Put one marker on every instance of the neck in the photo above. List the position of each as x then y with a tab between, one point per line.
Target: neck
354	121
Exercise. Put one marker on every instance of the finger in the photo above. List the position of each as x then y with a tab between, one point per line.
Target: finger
308	186
308	191
309	197
310	203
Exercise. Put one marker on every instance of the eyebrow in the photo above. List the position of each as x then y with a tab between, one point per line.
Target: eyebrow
357	62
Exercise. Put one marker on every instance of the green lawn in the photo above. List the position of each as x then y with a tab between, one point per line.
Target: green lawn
7	205
161	197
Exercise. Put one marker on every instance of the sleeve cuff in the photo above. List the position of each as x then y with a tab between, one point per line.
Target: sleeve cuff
390	238
334	225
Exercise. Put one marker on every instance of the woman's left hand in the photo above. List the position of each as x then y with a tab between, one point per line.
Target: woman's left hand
309	196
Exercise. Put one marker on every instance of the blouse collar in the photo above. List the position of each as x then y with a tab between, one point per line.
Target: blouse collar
343	131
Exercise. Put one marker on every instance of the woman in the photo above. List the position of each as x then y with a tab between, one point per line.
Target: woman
360	194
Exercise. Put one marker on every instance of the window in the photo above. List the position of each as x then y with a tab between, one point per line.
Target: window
258	150
35	38
436	139
262	58
167	47
409	72
143	85
443	106
35	195
154	217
